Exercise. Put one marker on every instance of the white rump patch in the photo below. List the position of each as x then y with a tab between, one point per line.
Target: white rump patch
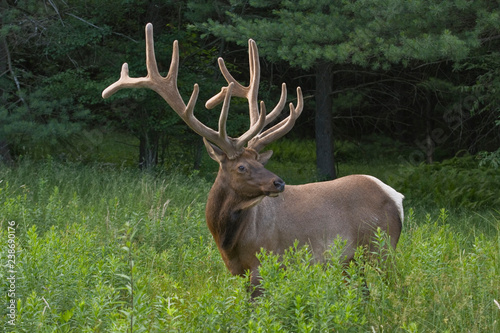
392	193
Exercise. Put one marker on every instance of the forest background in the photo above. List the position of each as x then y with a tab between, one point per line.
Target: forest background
424	74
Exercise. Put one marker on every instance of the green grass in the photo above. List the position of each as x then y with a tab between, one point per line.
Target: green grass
107	249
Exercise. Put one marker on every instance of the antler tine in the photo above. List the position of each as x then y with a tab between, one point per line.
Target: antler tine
151	64
258	120
279	107
233	147
255	129
253	87
251	91
165	87
280	129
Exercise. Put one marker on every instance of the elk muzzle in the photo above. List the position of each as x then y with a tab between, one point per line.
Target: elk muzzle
279	185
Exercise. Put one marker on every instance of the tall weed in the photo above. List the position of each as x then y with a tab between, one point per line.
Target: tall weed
303	296
441	285
65	279
111	250
456	183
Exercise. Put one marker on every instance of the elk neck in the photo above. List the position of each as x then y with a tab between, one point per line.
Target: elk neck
226	213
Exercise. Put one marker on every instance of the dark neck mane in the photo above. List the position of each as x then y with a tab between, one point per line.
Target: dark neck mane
225	215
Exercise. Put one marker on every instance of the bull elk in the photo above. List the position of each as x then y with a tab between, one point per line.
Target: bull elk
249	207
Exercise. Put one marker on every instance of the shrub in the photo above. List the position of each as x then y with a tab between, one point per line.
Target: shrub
65	278
456	183
104	249
303	296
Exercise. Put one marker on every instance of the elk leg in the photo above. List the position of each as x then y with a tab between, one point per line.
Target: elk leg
255	287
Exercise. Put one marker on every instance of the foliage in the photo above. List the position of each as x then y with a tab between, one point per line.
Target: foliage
300	151
56	59
44	120
360	32
303	296
46	78
69	282
456	183
399	67
485	87
293	159
103	249
442	277
483	99
490	159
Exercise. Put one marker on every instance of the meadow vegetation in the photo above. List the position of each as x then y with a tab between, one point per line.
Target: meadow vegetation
107	248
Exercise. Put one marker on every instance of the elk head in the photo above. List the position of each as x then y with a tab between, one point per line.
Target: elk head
245	175
241	163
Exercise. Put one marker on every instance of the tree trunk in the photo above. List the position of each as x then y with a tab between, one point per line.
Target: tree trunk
199	148
324	133
5	156
429	143
148	150
5	153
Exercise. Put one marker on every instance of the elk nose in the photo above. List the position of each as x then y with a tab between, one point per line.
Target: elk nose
279	184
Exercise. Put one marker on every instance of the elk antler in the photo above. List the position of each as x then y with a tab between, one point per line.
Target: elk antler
166	87
259	140
277	131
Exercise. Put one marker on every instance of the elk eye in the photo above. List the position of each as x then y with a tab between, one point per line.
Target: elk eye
241	168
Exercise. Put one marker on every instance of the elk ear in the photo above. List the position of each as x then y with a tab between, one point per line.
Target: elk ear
265	156
214	152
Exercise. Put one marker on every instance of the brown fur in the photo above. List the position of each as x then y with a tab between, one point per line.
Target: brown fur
243	219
